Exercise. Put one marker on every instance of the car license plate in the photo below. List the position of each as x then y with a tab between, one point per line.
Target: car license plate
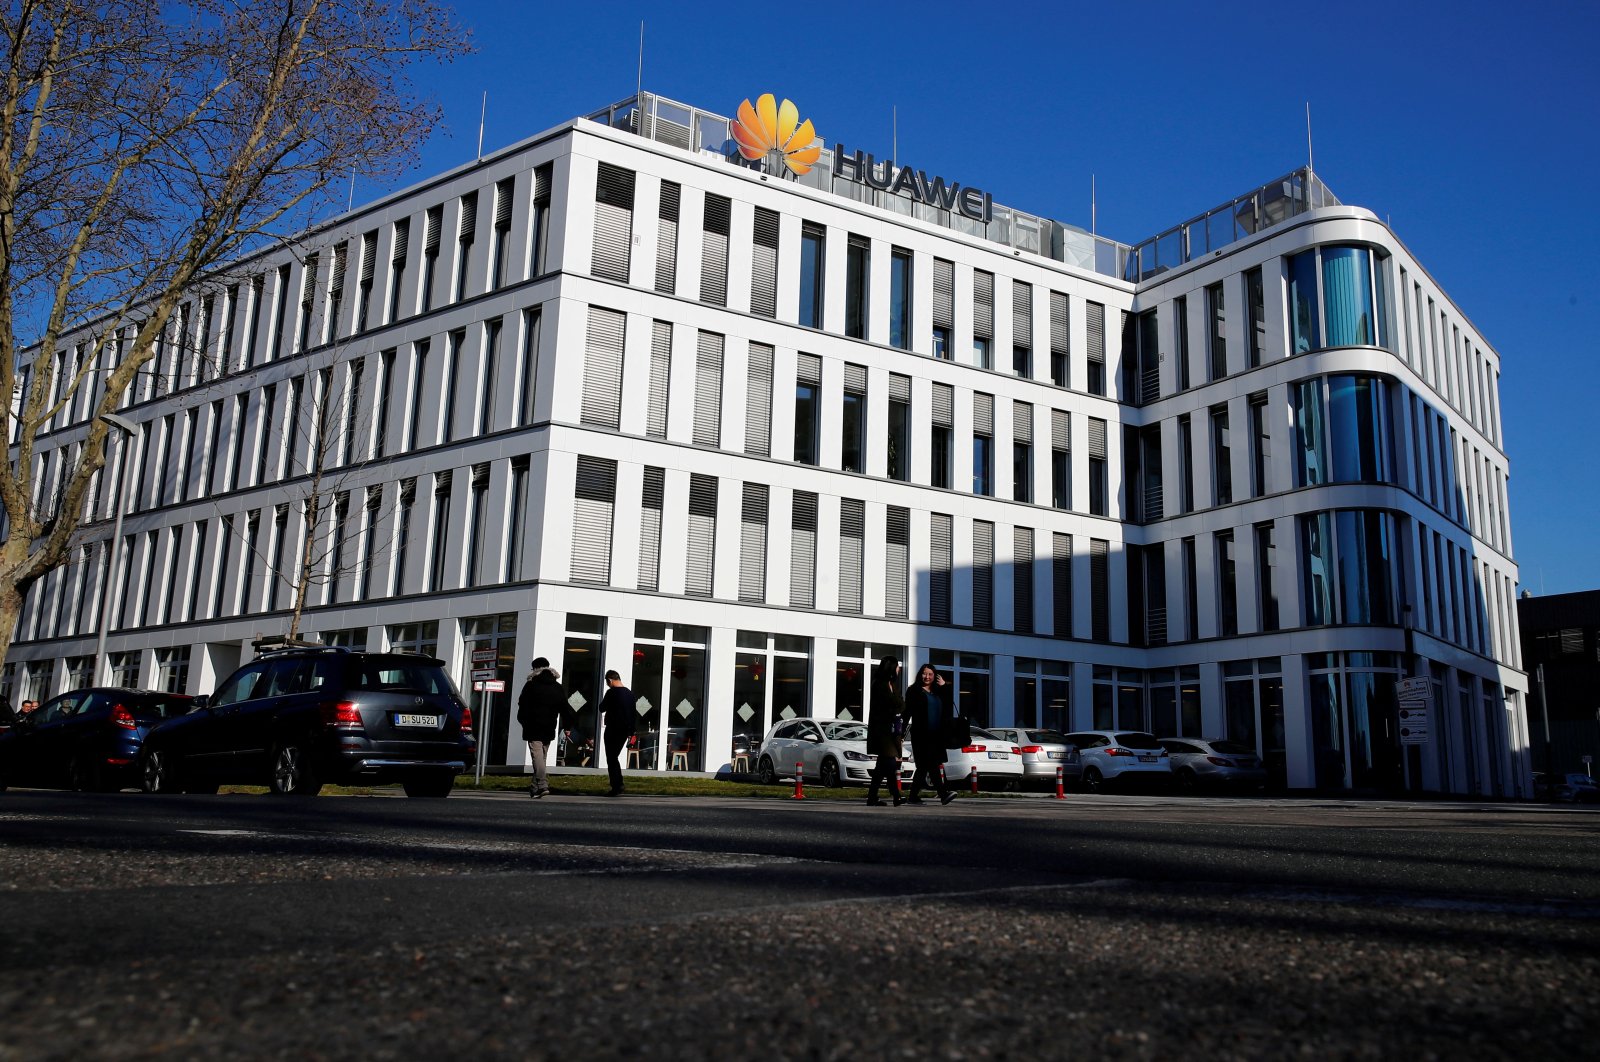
1058	755
999	755
1147	759
404	719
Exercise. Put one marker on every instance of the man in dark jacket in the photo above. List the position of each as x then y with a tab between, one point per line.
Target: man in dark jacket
538	713
618	707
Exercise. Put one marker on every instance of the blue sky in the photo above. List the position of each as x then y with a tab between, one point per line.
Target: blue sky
1473	127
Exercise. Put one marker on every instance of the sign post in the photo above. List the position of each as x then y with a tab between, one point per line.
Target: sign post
1416	702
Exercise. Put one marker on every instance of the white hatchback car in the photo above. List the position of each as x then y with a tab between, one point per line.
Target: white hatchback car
1121	756
833	752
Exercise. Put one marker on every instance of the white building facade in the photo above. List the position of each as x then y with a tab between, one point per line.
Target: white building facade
628	405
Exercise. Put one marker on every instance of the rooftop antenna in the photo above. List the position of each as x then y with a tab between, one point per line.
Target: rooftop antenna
638	87
1308	137
351	205
1092	205
483	113
894	131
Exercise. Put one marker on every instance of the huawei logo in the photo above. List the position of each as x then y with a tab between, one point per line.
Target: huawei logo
774	132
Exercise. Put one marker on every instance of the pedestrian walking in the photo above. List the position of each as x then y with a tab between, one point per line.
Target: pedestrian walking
928	716
885	728
618	708
539	708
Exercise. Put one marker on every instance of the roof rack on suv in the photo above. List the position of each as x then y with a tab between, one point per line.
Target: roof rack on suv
276	643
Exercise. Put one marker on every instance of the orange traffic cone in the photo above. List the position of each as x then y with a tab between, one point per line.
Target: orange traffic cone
799	781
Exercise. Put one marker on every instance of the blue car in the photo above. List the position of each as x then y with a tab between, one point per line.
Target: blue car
87	740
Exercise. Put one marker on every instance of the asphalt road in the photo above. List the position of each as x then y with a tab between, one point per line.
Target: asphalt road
493	926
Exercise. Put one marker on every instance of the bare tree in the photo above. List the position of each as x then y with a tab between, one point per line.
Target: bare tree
142	145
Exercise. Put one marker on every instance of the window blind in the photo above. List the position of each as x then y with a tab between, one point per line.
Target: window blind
852	536
764	265
1061	583
753	543
982	414
650	529
1095	317
594	502
660	376
803	551
1022	422
897	563
714	251
758	410
708	390
1060	430
982	574
1022	580
944	405
667	238
613	223
702	538
602	369
1021	314
982	303
939	567
1059	330
944	293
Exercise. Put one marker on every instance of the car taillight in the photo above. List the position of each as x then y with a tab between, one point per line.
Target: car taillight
466	720
974	748
1035	749
1114	751
1219	761
341	715
120	716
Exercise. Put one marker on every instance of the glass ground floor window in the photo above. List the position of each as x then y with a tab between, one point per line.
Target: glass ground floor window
352	638
1042	694
669	680
124	669
1119	701
1175	701
854	669
968	675
415	637
1252	705
583	681
491	709
172	669
80	672
1354	721
771	683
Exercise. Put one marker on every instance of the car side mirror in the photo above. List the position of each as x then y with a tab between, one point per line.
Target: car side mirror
200	702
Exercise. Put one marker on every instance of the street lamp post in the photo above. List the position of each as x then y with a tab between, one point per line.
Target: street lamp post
131	430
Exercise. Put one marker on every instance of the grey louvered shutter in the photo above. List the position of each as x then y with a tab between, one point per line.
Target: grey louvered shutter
469	216
650	528
613	222
944	405
593	505
808	369
753	544
702	538
1022	580
708	390
503	191
764	265
758	408
432	223
667	238
1061	583
369	256
982	414
897	563
1060	430
899	388
660	377
1100	589
602	368
982	304
1021	314
982	574
402	240
855	379
1095	318
1097	438
944	293
1022	422
852	549
939	560
1059	329
714	251
803	551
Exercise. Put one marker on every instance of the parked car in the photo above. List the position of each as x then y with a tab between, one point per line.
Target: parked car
833	752
998	760
1121	756
87	740
1575	788
1042	752
1214	764
295	719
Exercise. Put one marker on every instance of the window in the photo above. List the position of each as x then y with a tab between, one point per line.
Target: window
1095	329
897	563
1099	485
944	302
753	543
813	245
438	554
1100	589
308	296
364	279
852	550
1185	465
277	574
539	237
478	513
764	264
432	222
982	444
982	319
252	327
1060	459
452	371
1266	572
1191	589
650	528
1256	324
1346	439
397	269
900	298
1022	580
419	368
528	376
803	551
702	536
668	237
708	390
1142	359
1061	583
853	422
1147	594
487	379
808	384
602	368
1351	568
899	441
1022	329
1180	308
500	246
1060	347
1216	333
1260	447
613	223
402	535
1021	452
714	250
595	500
1221	457
464	237
858	271
758	401
942	441
1353	306
1146	487
1227	585
939	562
983	574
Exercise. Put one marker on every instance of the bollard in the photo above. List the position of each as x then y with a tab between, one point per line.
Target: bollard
1061	789
944	782
799	780
974	778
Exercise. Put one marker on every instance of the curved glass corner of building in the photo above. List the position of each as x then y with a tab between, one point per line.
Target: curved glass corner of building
1339	297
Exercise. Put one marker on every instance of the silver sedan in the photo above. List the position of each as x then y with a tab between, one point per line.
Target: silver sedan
1042	752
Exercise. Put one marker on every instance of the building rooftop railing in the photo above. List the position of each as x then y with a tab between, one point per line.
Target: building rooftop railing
706	132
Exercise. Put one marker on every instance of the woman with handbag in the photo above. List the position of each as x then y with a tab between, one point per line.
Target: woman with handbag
885	725
928	712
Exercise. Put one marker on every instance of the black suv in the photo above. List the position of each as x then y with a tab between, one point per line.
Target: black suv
297	718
